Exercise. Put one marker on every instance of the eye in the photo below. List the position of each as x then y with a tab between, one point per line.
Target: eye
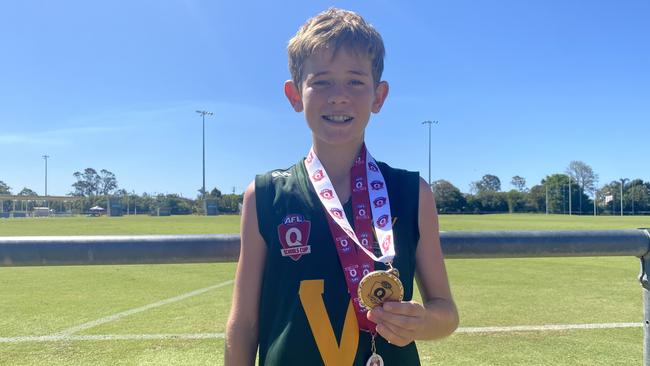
356	82
320	83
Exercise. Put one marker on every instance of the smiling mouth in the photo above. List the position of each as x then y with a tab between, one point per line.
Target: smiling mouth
337	118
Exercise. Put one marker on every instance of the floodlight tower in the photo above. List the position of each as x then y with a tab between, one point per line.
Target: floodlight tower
429	123
46	157
203	114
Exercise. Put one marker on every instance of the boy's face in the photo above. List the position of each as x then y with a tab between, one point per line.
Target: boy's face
337	95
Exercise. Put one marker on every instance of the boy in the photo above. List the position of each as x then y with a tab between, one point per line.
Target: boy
311	232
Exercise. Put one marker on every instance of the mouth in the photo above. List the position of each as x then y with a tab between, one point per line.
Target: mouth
337	118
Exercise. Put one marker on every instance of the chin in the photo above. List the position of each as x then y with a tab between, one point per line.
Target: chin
339	140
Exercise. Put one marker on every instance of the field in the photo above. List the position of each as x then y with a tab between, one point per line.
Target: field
589	308
142	224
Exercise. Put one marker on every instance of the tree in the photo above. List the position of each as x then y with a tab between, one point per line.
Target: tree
536	198
107	182
637	196
584	176
516	201
4	188
612	189
519	183
448	197
489	183
177	205
27	192
559	190
488	201
89	183
230	202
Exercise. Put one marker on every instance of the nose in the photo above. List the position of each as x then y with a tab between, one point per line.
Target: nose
337	95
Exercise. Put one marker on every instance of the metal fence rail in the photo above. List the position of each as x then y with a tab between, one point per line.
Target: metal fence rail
149	249
133	249
139	249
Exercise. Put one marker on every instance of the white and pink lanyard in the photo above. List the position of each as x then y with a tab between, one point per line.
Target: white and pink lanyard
368	185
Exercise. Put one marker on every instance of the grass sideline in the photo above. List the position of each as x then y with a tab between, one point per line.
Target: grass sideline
489	292
225	224
124	225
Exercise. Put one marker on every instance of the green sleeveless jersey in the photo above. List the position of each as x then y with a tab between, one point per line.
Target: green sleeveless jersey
305	315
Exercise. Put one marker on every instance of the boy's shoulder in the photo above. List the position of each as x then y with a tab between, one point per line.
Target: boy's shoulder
279	179
388	170
281	173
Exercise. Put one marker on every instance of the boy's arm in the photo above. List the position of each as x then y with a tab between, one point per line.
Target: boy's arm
242	327
403	322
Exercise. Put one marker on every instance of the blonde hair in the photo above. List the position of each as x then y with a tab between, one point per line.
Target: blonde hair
336	28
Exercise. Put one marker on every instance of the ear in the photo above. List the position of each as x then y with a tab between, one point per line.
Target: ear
292	93
381	92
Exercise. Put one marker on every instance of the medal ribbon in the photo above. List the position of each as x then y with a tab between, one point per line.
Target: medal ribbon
367	185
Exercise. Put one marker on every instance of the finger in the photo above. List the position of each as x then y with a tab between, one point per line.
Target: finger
408	308
379	315
393	337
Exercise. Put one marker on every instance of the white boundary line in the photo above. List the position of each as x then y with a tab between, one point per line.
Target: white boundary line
547	327
110	337
118	337
110	318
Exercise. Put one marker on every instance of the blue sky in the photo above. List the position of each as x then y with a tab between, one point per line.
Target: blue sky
518	87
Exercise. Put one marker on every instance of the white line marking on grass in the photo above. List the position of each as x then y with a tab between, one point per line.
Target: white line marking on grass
120	337
532	328
111	337
123	314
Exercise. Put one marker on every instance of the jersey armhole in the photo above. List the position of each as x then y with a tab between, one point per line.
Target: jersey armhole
263	203
415	178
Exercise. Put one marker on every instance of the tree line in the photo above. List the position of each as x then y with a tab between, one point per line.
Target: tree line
574	192
93	188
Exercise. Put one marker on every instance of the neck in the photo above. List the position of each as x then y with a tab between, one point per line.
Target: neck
337	160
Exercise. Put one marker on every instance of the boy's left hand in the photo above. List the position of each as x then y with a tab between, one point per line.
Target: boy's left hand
399	322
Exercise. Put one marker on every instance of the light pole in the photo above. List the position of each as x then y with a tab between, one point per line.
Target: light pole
429	123
203	114
135	204
623	180
46	157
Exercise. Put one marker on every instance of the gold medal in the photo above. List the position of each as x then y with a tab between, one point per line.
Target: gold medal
379	287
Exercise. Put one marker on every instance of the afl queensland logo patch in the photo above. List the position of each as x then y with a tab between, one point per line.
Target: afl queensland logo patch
293	234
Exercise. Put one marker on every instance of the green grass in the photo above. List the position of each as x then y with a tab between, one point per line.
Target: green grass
125	225
142	224
608	347
489	292
540	222
106	353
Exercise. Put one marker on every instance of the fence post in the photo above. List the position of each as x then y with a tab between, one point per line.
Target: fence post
645	283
